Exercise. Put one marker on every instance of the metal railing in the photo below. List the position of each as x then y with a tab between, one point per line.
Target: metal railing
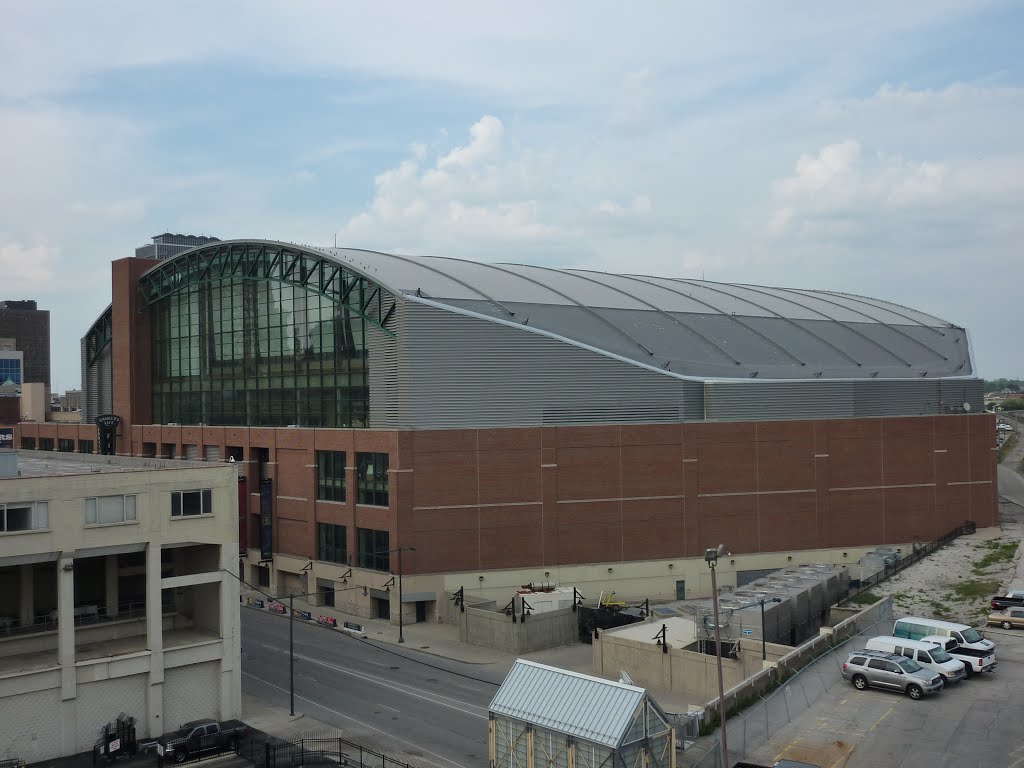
322	749
47	622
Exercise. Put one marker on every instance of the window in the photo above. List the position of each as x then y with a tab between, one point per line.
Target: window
104	510
858	660
909	666
28	443
331	544
65	445
373	549
45	443
330	475
372	478
923	657
24	516
191	503
85	446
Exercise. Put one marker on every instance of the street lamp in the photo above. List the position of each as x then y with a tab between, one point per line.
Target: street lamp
401	619
711	558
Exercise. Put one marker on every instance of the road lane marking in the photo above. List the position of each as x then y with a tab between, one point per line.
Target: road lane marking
433	698
388	734
391	708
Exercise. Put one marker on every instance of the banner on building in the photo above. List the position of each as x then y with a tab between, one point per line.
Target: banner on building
266	520
243	519
6	437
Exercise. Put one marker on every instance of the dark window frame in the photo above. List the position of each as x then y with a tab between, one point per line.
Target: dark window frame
330	475
374	549
372	479
192	503
328	548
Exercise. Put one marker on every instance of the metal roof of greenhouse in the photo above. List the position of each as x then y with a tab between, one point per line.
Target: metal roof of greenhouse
691	328
585	707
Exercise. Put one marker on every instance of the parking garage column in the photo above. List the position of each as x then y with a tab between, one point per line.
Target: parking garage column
66	625
154	641
110	581
27	601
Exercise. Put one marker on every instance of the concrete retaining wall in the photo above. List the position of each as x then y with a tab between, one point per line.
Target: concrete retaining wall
495	629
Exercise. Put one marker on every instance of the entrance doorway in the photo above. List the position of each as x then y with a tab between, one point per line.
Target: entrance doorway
383	608
421	610
681	589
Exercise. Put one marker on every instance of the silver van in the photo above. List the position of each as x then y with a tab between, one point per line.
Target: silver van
931	656
887	670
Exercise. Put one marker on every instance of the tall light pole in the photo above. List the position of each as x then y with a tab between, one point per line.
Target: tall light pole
711	558
401	618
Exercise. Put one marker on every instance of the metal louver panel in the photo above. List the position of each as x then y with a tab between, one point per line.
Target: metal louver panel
770	400
211	452
456	371
97	387
385	371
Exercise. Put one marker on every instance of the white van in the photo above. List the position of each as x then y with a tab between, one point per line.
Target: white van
931	656
915	628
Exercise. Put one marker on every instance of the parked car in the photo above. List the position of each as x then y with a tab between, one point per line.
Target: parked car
1012	597
1008	618
201	737
975	661
887	670
929	655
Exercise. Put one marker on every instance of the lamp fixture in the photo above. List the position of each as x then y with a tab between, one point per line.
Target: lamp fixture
480	578
610	570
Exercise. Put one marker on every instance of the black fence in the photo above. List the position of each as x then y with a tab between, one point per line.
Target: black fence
317	751
896	562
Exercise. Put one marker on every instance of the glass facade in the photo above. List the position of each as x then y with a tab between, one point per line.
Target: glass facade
257	352
10	370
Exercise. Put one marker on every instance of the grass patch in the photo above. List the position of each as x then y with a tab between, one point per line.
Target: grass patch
998	552
865	598
975	590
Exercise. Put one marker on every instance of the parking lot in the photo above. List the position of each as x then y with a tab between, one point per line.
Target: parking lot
976	722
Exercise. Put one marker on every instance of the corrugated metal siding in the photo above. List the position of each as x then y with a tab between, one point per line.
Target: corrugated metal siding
458	371
585	707
97	385
770	400
384	358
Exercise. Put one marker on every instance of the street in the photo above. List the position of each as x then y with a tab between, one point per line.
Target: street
418	708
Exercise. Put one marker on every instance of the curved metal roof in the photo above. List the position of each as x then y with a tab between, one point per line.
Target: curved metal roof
687	327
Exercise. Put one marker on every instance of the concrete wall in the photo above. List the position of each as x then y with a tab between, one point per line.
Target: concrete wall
493	629
679	670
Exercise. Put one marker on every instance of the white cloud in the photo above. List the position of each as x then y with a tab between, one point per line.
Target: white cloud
114	210
26	269
472	198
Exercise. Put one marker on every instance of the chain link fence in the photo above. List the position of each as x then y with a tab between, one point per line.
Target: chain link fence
752	728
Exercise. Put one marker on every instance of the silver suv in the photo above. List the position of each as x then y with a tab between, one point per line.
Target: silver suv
887	670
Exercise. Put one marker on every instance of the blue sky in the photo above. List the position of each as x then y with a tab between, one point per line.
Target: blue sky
874	148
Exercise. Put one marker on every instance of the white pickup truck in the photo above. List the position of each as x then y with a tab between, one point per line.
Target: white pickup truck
974	660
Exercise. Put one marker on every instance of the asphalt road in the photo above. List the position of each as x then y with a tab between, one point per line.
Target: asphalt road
415	707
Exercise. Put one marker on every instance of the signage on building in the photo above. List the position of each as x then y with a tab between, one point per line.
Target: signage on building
107	424
6	437
748	631
108	420
266	520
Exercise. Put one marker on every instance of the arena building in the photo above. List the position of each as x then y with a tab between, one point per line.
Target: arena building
522	424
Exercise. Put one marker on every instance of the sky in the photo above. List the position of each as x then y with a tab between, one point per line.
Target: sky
872	148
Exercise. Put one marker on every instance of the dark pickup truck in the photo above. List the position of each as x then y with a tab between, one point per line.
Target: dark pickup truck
1013	597
200	737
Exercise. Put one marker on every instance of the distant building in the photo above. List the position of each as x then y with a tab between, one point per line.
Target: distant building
167	245
25	328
